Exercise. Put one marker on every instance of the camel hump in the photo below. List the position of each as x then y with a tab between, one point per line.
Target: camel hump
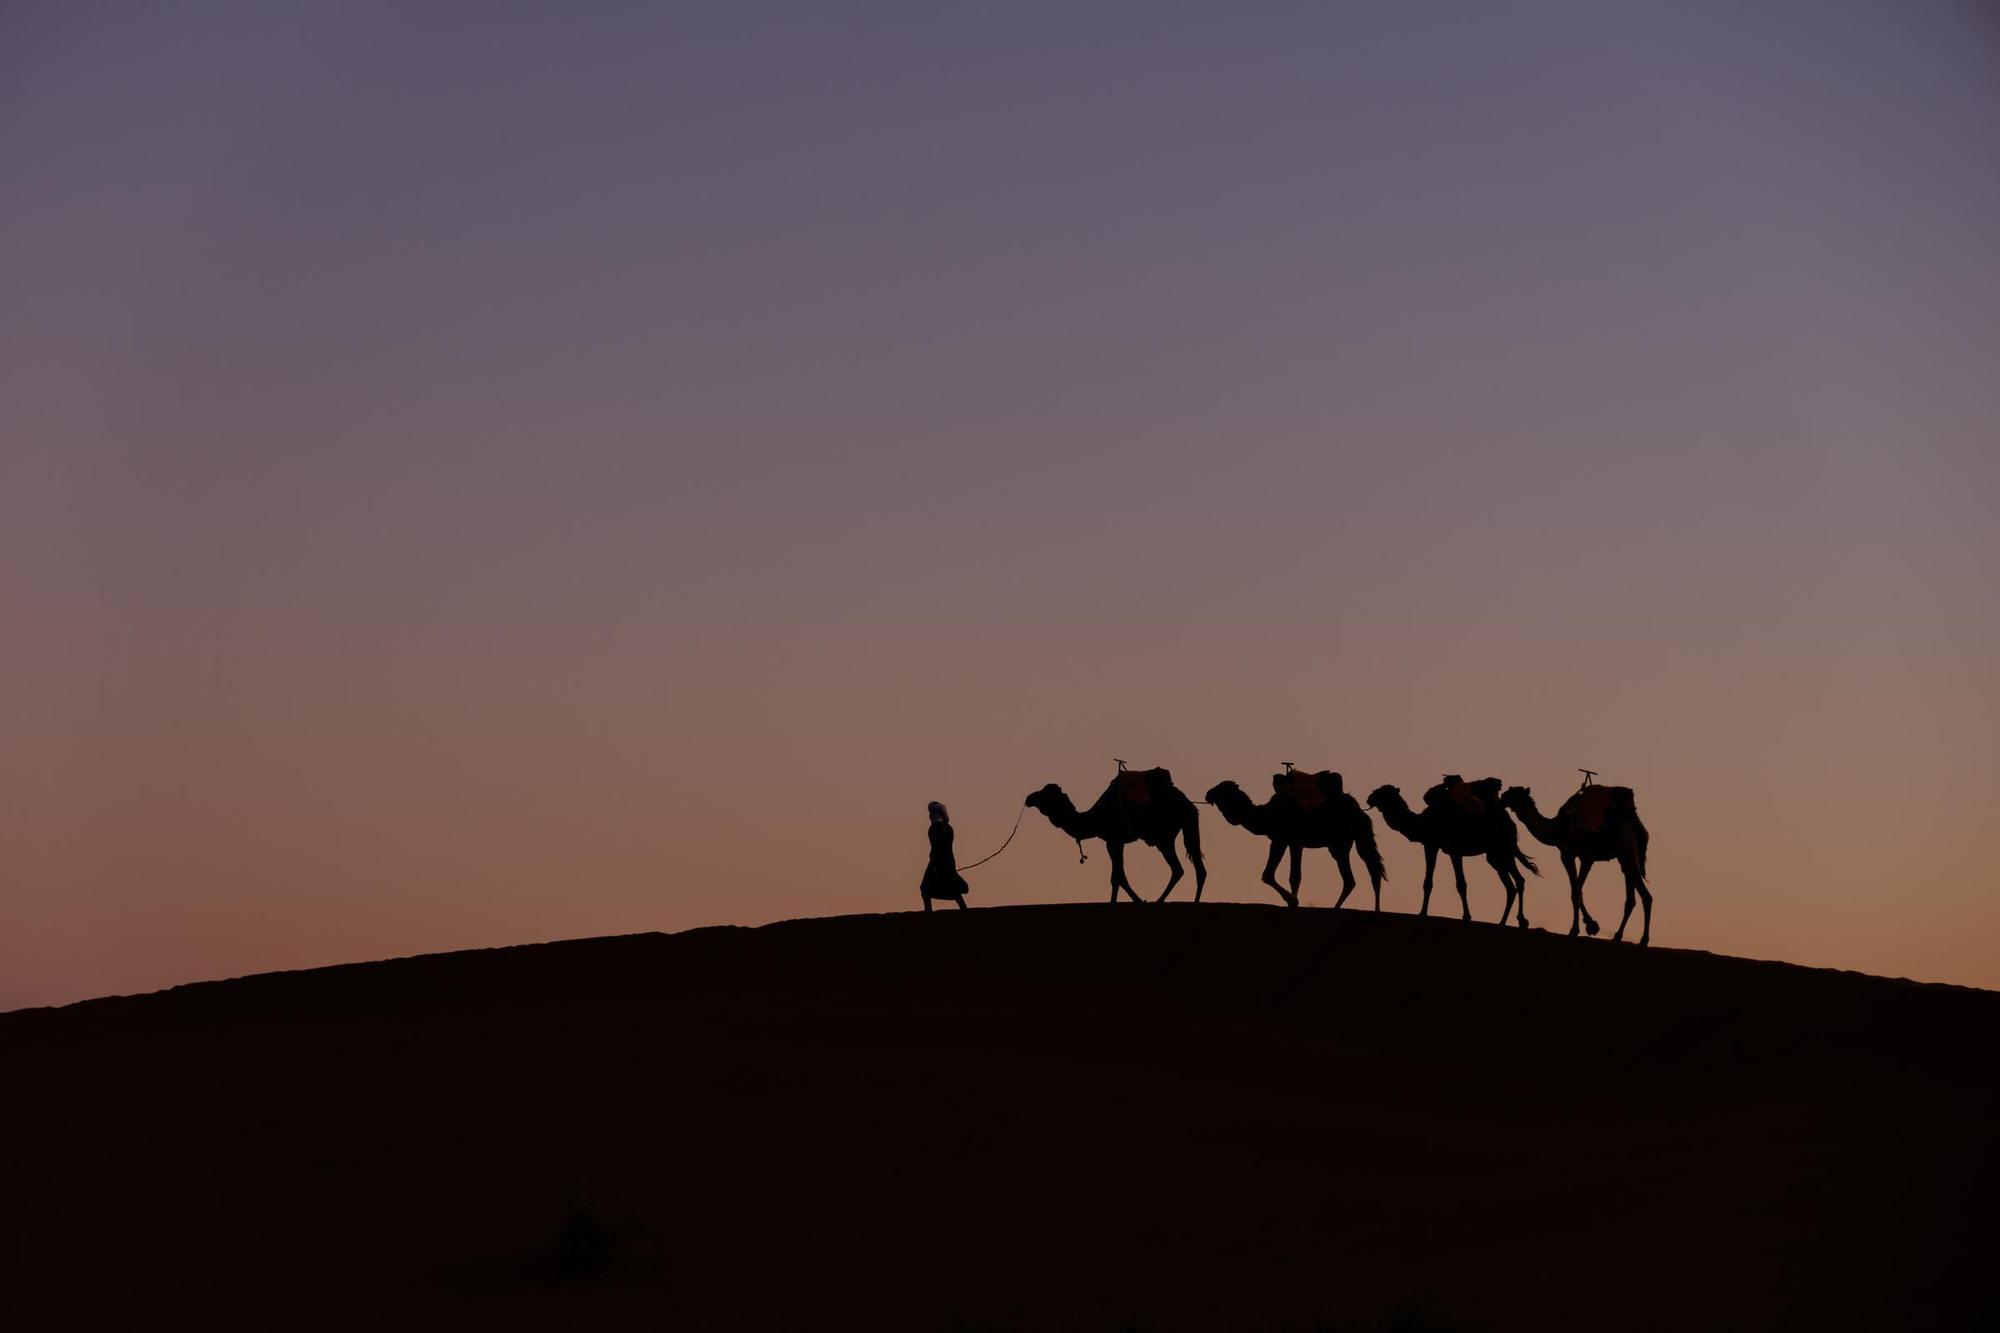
1590	808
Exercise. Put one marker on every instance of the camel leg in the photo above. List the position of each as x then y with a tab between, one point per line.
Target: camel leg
1173	867
1270	875
1292	898
1430	871
961	902
1517	888
1582	875
1340	858
1636	882
1115	853
1629	899
1506	884
927	902
1458	870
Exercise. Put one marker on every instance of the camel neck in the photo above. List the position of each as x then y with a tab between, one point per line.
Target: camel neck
1536	823
1070	820
1398	816
1246	814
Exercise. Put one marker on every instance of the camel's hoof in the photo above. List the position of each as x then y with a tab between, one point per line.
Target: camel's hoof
1591	926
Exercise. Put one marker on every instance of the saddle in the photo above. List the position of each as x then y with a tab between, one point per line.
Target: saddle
1456	796
1592	807
1308	791
1134	789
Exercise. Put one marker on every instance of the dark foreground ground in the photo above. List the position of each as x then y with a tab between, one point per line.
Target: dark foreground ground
1064	1117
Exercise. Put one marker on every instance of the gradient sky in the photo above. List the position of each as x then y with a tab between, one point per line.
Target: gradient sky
480	473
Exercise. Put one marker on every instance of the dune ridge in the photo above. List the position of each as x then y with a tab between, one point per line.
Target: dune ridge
1078	1117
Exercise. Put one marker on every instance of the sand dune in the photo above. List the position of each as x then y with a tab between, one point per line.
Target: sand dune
1075	1117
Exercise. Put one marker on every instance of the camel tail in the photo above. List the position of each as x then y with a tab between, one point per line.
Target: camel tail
1371	857
1191	836
1525	860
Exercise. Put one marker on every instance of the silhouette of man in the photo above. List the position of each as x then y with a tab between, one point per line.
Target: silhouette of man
941	877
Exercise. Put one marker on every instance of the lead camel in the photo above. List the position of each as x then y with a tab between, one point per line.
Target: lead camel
1140	805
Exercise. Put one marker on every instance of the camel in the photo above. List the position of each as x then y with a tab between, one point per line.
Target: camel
1305	810
1459	835
1595	824
1138	806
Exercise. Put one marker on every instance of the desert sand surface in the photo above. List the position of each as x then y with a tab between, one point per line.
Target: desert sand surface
1071	1117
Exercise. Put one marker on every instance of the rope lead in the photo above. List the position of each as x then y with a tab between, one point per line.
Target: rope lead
1003	846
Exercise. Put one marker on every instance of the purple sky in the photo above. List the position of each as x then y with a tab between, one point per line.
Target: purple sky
487	472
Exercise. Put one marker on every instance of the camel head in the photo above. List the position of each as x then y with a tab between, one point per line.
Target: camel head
1227	797
1050	800
1517	798
1384	795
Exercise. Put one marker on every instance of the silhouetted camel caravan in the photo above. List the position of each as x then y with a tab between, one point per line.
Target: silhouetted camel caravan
1313	809
1139	806
1306	810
